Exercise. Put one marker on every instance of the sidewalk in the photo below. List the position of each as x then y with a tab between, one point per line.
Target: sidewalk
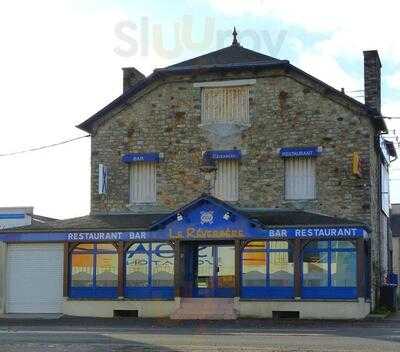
24	316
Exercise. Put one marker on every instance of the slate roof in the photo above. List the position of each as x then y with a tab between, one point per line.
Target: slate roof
264	217
230	55
395	224
290	217
94	222
234	57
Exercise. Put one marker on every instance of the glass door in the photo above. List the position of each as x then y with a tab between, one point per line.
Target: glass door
215	276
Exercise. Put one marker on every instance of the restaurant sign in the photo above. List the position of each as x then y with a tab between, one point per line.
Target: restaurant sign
203	220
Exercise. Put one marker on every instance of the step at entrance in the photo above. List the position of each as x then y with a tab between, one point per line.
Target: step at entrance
205	308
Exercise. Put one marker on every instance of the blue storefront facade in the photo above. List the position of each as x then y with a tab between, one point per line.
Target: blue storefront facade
209	249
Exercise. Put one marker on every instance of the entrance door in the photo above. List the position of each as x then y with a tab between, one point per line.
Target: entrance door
215	271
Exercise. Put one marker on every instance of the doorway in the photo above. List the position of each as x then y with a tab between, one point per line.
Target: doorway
213	270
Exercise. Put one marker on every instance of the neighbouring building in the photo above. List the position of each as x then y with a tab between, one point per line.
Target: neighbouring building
229	185
14	217
395	227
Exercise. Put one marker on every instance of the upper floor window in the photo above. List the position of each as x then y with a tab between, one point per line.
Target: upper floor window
227	180
300	178
225	105
143	182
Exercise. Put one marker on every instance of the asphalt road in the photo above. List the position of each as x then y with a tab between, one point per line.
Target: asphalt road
126	335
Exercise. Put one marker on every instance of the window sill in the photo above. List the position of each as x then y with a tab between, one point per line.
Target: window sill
300	200
298	300
69	299
142	204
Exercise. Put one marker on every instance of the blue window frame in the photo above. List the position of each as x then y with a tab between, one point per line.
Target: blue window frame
94	271
267	270
329	270
149	271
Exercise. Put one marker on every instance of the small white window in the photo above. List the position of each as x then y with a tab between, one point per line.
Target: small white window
300	178
227	180
385	190
143	182
225	105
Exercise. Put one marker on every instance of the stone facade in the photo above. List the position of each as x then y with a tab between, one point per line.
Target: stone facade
283	112
287	109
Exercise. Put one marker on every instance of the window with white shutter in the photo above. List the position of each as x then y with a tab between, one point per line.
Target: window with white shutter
225	105
143	182
300	178
227	180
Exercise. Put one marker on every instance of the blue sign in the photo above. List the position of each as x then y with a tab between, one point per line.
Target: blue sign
299	152
201	220
140	157
11	216
189	233
223	154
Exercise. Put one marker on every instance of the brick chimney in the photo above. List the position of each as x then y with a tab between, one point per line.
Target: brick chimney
131	77
372	80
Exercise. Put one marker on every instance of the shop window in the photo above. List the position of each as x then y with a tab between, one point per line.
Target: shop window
267	270
143	182
94	271
329	270
300	178
150	271
227	180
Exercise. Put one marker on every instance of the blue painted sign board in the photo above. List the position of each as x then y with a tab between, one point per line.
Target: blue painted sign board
140	157
11	216
205	221
223	154
299	152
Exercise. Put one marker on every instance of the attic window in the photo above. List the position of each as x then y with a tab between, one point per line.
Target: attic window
225	105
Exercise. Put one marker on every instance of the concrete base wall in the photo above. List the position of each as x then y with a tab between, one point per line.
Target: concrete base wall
105	309
3	276
244	309
307	309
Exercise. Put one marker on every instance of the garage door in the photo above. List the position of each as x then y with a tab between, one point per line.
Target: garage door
34	278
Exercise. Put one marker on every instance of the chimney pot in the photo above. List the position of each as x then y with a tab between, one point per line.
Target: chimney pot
372	80
130	77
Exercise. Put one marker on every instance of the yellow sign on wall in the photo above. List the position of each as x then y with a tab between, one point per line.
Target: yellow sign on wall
356	165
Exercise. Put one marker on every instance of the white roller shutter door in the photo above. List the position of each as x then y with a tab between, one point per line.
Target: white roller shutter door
34	278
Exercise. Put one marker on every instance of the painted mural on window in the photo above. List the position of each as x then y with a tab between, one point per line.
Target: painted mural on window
267	269
149	270
94	270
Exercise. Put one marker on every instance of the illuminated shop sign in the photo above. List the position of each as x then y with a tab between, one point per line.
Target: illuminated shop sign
299	152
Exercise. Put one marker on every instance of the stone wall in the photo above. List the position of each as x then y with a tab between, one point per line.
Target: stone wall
283	112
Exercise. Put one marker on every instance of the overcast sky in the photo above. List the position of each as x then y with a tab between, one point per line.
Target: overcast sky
61	59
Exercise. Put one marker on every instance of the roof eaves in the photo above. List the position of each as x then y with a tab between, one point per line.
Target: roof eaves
372	113
86	125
